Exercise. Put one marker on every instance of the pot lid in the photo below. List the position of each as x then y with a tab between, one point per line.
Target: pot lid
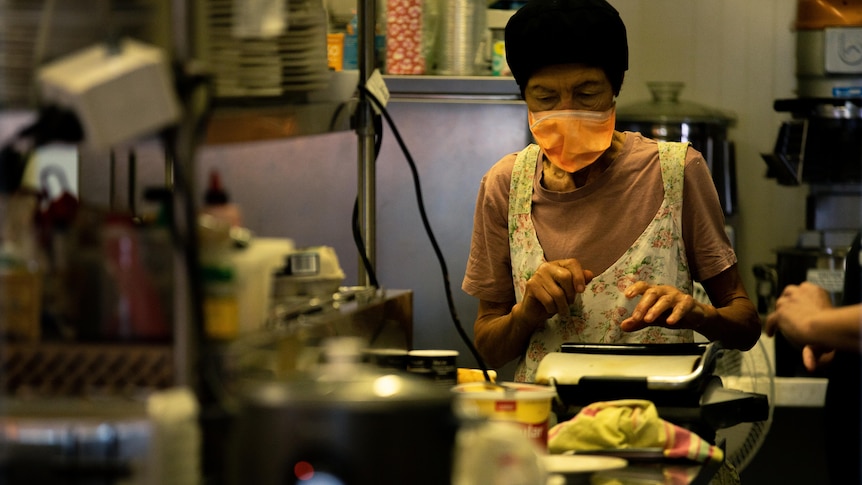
365	387
342	381
667	107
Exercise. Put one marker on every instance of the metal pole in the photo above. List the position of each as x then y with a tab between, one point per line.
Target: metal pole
365	142
187	311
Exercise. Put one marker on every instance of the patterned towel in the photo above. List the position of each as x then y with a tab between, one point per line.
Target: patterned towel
629	423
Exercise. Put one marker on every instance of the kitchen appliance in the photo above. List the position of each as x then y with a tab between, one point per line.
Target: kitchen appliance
679	379
346	423
666	117
818	257
821	265
749	371
828	58
113	441
820	145
95	83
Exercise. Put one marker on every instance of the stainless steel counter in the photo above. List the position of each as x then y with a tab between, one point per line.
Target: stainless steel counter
793	448
800	391
664	473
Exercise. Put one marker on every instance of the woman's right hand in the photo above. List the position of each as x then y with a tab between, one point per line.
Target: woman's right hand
552	289
815	357
502	329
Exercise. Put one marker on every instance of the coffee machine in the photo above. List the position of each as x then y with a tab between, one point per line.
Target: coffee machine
821	146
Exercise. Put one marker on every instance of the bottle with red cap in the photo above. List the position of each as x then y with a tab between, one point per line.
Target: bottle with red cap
217	202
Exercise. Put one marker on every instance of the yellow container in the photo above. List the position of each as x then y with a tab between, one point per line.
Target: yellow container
526	405
335	50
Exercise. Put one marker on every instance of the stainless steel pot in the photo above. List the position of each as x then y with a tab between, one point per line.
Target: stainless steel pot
668	118
824	267
347	424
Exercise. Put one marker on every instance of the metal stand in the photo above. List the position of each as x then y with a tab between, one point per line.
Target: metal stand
367	179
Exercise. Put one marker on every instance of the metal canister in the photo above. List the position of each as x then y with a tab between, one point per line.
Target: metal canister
462	27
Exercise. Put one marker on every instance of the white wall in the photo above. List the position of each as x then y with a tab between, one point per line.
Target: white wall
736	55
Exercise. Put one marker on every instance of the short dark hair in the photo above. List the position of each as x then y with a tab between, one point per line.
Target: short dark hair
549	32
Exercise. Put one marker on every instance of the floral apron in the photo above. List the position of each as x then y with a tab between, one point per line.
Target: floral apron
657	257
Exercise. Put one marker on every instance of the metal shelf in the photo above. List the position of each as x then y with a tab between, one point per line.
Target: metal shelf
56	369
237	124
260	120
453	89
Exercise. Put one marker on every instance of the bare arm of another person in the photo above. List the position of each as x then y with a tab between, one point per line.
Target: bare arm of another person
805	315
502	329
731	319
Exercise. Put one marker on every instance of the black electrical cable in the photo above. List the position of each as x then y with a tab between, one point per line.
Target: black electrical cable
447	286
360	247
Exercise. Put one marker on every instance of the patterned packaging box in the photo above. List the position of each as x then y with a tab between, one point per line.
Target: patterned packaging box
404	32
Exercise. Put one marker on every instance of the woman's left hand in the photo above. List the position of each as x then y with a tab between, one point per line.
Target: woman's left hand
663	306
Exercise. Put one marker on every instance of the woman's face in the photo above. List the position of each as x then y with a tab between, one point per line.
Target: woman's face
569	86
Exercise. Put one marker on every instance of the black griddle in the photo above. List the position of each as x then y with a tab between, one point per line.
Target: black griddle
679	379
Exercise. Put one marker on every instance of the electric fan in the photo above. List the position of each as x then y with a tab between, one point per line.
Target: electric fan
748	371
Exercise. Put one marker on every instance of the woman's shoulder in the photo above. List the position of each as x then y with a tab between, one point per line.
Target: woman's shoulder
636	140
501	171
494	189
641	147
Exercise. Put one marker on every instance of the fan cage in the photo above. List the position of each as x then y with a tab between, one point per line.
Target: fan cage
749	371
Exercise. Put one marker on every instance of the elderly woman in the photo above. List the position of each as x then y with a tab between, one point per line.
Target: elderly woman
590	234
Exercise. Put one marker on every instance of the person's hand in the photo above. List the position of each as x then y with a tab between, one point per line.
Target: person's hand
794	309
553	287
814	357
661	305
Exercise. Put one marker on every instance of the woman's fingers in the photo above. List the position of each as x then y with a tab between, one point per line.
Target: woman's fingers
556	283
659	305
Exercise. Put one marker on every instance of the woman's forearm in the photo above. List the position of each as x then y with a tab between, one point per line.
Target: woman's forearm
500	336
733	320
736	325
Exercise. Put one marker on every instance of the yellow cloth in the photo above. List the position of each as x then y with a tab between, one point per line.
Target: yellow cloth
628	423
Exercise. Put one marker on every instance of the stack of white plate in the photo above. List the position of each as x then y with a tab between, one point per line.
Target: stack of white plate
33	32
292	62
17	34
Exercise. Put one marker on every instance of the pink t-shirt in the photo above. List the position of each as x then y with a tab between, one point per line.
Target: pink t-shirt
596	223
